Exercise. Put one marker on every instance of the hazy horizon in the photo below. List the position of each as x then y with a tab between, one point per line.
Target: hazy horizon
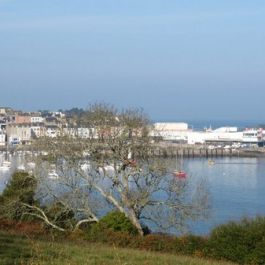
177	60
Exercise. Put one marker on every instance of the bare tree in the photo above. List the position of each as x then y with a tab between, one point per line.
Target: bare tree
114	168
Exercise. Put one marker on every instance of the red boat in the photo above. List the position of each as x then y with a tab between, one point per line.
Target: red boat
180	174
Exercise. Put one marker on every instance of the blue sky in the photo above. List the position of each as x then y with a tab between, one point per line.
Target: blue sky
177	59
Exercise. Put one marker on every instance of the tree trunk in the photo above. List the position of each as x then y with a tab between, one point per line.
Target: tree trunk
136	223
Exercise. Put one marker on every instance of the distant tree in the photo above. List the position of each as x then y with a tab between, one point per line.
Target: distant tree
74	111
45	113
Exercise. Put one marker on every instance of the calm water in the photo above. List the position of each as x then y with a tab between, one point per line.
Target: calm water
237	187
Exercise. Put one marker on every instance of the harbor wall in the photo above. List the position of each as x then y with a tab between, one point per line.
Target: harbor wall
190	151
167	149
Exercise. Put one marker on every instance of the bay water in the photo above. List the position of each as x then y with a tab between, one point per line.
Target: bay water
236	186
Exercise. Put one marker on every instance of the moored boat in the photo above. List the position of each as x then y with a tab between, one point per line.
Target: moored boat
53	174
6	165
180	174
211	162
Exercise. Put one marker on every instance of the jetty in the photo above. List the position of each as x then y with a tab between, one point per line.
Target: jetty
167	149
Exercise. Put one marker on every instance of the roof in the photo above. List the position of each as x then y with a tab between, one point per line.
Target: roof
171	126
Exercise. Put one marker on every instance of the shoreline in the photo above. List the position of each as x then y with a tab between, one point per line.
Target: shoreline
168	149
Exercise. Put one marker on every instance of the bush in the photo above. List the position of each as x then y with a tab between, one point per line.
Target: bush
60	215
24	228
240	242
157	242
21	189
115	221
190	245
257	256
21	186
110	237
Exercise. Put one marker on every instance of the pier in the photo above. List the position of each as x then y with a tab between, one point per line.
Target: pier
169	149
165	149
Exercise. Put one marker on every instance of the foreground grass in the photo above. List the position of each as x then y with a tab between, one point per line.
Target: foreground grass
24	251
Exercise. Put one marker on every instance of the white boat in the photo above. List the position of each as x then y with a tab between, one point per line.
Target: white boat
4	168
21	167
53	175
6	165
31	165
85	167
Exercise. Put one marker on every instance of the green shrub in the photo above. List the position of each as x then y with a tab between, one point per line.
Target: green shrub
115	221
257	256
240	242
21	186
21	189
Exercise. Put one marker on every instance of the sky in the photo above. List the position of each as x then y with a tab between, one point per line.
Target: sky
178	60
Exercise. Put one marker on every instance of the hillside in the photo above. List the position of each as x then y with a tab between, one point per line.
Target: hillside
22	250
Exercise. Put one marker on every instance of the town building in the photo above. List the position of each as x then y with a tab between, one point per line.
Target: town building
5	111
86	133
53	131
22	119
171	131
38	130
179	132
36	119
2	138
18	133
254	136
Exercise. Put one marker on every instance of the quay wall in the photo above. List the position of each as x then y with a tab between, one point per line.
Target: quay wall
167	149
190	151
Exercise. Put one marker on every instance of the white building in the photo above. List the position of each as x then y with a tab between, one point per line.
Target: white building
71	132
2	138
229	136
37	119
38	131
18	133
171	131
196	137
254	136
4	110
220	135
58	114
179	132
171	126
224	136
52	131
86	133
226	130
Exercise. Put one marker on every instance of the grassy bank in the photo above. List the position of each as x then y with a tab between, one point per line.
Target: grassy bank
21	250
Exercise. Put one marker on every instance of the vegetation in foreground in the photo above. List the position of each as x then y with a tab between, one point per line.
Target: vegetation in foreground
16	249
242	242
